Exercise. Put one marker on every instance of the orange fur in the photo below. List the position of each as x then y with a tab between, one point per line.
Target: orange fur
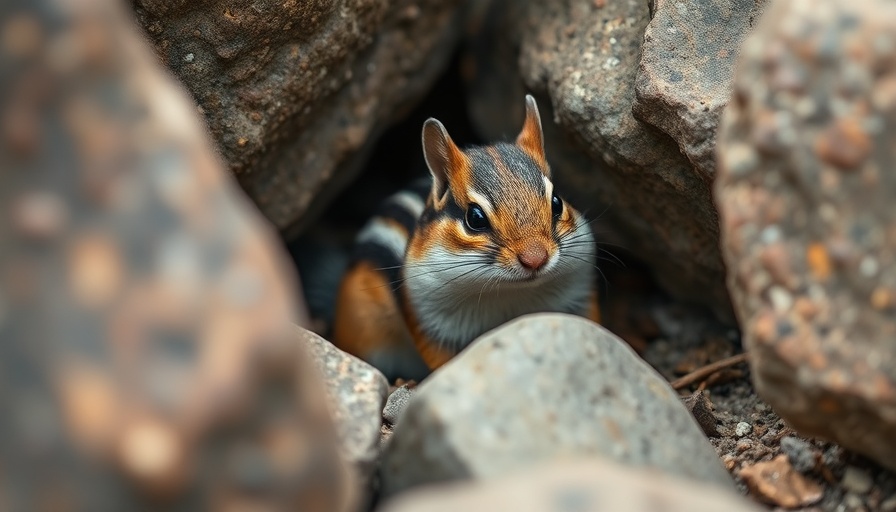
368	316
433	355
594	308
531	139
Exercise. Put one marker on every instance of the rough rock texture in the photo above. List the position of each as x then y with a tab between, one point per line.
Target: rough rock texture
397	402
806	190
583	61
540	387
145	348
294	92
580	485
684	76
357	393
395	405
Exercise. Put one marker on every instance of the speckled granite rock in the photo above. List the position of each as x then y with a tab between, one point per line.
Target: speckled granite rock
685	71
541	387
580	485
146	360
806	189
294	92
357	394
583	61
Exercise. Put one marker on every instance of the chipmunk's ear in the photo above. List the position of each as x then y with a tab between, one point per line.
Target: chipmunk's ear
442	156
531	139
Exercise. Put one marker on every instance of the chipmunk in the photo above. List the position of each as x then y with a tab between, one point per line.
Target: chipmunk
484	240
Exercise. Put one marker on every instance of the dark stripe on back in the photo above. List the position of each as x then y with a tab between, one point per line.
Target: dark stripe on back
381	257
399	214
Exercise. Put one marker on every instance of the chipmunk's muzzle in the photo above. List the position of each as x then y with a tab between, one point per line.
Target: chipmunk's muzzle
533	257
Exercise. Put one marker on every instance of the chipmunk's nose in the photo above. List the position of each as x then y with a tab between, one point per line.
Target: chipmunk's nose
533	256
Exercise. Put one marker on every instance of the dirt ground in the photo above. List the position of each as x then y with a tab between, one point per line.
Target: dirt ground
775	466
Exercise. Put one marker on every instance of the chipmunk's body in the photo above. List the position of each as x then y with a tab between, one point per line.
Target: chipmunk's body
485	241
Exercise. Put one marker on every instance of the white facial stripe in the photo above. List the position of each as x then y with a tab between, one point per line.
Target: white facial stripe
548	187
380	232
409	201
481	201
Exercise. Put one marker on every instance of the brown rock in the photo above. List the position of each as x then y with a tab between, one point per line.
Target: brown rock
295	92
145	356
822	348
777	483
583	60
700	408
580	484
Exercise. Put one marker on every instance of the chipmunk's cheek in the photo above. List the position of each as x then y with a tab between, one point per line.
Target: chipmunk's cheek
507	259
454	239
565	225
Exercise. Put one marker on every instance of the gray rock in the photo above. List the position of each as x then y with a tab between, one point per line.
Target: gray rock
581	60
856	480
853	503
580	485
357	392
889	504
296	92
396	403
538	388
685	70
806	188
802	455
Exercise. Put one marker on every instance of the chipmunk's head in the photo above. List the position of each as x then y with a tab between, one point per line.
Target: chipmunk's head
493	217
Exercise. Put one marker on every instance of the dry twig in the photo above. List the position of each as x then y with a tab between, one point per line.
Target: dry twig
705	371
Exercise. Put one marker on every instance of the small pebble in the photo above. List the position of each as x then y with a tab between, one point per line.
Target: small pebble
742	429
730	461
743	445
853	503
799	452
832	456
396	403
889	504
856	480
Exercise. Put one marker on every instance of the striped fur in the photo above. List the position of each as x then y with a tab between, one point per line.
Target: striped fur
434	283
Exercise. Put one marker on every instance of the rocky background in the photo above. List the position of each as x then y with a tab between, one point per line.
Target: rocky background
158	350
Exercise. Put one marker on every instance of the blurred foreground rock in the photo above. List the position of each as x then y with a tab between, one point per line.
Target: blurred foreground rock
577	484
629	106
296	92
806	190
146	354
542	387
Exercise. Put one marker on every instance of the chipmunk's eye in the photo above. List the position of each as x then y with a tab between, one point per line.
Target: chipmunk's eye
475	218
556	206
